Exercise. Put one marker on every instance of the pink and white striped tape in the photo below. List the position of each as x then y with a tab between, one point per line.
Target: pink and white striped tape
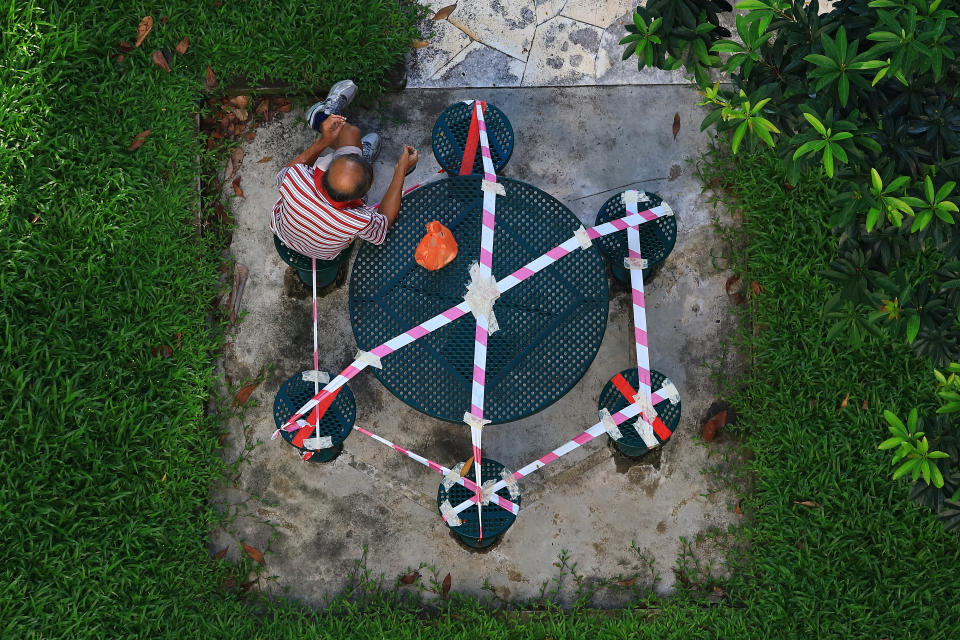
630	411
639	304
439	468
458	311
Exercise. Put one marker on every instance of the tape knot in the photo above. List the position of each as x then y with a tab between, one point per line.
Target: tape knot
482	293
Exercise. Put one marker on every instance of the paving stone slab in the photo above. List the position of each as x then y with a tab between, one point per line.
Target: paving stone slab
563	53
599	14
505	25
446	42
478	66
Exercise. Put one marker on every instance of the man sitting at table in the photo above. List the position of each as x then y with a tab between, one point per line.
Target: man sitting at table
322	205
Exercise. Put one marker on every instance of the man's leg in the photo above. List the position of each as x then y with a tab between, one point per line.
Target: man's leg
341	94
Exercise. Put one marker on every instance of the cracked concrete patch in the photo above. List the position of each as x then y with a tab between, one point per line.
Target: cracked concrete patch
478	66
446	42
505	25
599	14
563	53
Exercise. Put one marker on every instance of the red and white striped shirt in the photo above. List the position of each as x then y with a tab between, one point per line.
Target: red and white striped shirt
307	222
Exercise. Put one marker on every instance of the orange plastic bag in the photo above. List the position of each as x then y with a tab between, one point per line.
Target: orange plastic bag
437	249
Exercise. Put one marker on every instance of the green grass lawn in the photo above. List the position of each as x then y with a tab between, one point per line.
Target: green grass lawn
107	455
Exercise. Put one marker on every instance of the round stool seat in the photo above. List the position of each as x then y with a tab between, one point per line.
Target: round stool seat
337	422
450	137
657	238
631	444
496	519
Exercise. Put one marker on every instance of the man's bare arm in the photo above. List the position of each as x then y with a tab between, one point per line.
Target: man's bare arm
390	205
330	129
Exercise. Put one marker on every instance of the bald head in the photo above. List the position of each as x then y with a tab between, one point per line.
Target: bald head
348	177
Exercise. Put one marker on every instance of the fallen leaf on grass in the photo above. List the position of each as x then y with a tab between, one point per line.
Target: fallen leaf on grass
249	136
627	583
34	218
220	555
211	80
255	554
732	285
410	578
865	405
182	46
163	350
246	585
284	108
139	139
143	29
757	288
236	187
807	503
244	394
419	44
161	60
713	425
223	438
676	125
120	57
445	588
264	159
843	405
738	510
125	46
444	13
240	102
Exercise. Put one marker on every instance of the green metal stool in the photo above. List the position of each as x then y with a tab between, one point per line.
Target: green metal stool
450	137
657	238
631	444
337	422
327	270
496	520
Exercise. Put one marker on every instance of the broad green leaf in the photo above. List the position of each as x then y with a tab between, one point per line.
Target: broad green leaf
892	419
928	188
738	135
822	130
872	217
914	415
875	180
913	328
822	61
807	147
937	476
905	468
890	443
843	89
726	46
828	160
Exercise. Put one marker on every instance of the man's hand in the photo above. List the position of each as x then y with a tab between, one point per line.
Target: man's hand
408	158
331	128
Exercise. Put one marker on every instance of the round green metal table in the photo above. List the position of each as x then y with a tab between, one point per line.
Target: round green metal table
496	519
657	238
631	444
337	422
551	325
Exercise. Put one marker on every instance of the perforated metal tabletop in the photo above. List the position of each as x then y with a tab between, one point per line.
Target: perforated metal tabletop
550	325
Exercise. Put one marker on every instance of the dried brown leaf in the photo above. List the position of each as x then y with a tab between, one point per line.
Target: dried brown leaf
160	60
182	46
163	350
738	298
284	108
807	503
220	555
34	218
757	288
255	554
240	102
733	285
248	584
466	467
143	29
244	394
419	44
865	405
410	578
230	169
121	57
139	139
125	46
264	159
713	425
211	80
445	587
249	136
676	125
236	187
627	583
846	401
738	510
445	12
